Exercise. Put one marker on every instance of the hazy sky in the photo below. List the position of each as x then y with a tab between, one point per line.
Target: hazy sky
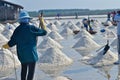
35	5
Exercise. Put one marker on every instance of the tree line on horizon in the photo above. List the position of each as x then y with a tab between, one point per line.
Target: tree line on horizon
70	12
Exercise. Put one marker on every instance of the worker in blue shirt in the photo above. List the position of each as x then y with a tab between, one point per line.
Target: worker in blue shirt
25	39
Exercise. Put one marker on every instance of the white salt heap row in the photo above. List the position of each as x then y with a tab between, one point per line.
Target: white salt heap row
52	27
66	31
108	59
7	62
55	35
83	33
53	61
49	42
85	44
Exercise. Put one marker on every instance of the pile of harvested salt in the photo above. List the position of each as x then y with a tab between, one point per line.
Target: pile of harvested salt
49	42
7	62
66	31
85	45
55	35
83	33
57	23
107	59
52	27
53	61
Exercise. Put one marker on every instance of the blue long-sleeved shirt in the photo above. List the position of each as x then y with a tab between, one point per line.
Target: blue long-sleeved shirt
25	39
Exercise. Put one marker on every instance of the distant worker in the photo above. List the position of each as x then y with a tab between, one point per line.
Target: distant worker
85	23
108	17
24	37
41	19
58	16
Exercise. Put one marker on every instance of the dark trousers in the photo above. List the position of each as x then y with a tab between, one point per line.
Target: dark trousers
27	71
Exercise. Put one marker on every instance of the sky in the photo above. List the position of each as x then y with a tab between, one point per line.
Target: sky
35	5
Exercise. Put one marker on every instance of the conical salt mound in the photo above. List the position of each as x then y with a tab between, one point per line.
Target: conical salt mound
79	24
66	31
63	24
85	42
57	23
55	35
7	62
52	27
83	33
74	27
53	61
69	23
85	45
55	56
108	58
49	42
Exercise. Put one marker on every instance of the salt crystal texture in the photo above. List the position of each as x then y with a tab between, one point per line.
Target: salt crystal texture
53	61
49	42
7	62
55	35
66	31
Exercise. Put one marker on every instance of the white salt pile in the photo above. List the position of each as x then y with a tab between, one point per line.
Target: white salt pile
55	57
85	44
74	27
63	24
79	24
83	33
85	41
107	59
53	61
7	62
49	42
66	31
55	35
52	27
69	23
57	23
